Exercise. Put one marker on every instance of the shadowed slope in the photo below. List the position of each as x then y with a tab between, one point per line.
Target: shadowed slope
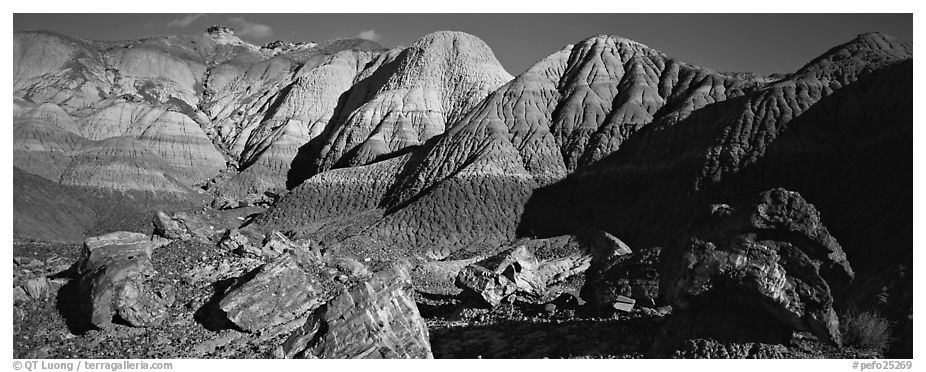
796	133
43	210
469	185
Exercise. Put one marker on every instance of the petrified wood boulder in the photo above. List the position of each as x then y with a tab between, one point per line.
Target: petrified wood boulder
373	319
773	255
283	290
495	278
113	270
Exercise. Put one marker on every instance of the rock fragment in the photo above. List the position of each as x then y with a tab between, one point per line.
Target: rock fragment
183	226
608	246
250	200
235	241
624	304
37	288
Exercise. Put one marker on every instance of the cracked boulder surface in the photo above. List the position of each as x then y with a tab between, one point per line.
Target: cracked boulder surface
516	271
537	271
288	288
374	319
113	270
772	255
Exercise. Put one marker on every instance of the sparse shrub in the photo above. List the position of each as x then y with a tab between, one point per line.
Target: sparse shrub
866	331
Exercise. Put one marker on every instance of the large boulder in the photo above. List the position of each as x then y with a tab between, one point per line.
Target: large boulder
538	271
285	290
496	278
373	319
565	270
772	255
634	276
113	269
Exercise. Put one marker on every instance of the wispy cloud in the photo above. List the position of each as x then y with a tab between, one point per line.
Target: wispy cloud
246	28
369	35
185	20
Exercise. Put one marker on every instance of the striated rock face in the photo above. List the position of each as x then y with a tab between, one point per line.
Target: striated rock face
413	97
265	112
194	103
113	115
44	139
121	163
330	308
113	269
286	289
172	136
564	113
372	320
349	103
772	255
192	100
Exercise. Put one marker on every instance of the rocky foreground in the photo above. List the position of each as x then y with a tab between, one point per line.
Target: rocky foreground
767	268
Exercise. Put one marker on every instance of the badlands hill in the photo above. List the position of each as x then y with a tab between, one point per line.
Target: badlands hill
433	154
610	134
433	147
168	113
839	130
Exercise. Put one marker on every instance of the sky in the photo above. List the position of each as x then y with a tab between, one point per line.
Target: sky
763	43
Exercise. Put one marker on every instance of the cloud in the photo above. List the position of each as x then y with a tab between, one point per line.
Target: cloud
246	28
185	20
369	35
